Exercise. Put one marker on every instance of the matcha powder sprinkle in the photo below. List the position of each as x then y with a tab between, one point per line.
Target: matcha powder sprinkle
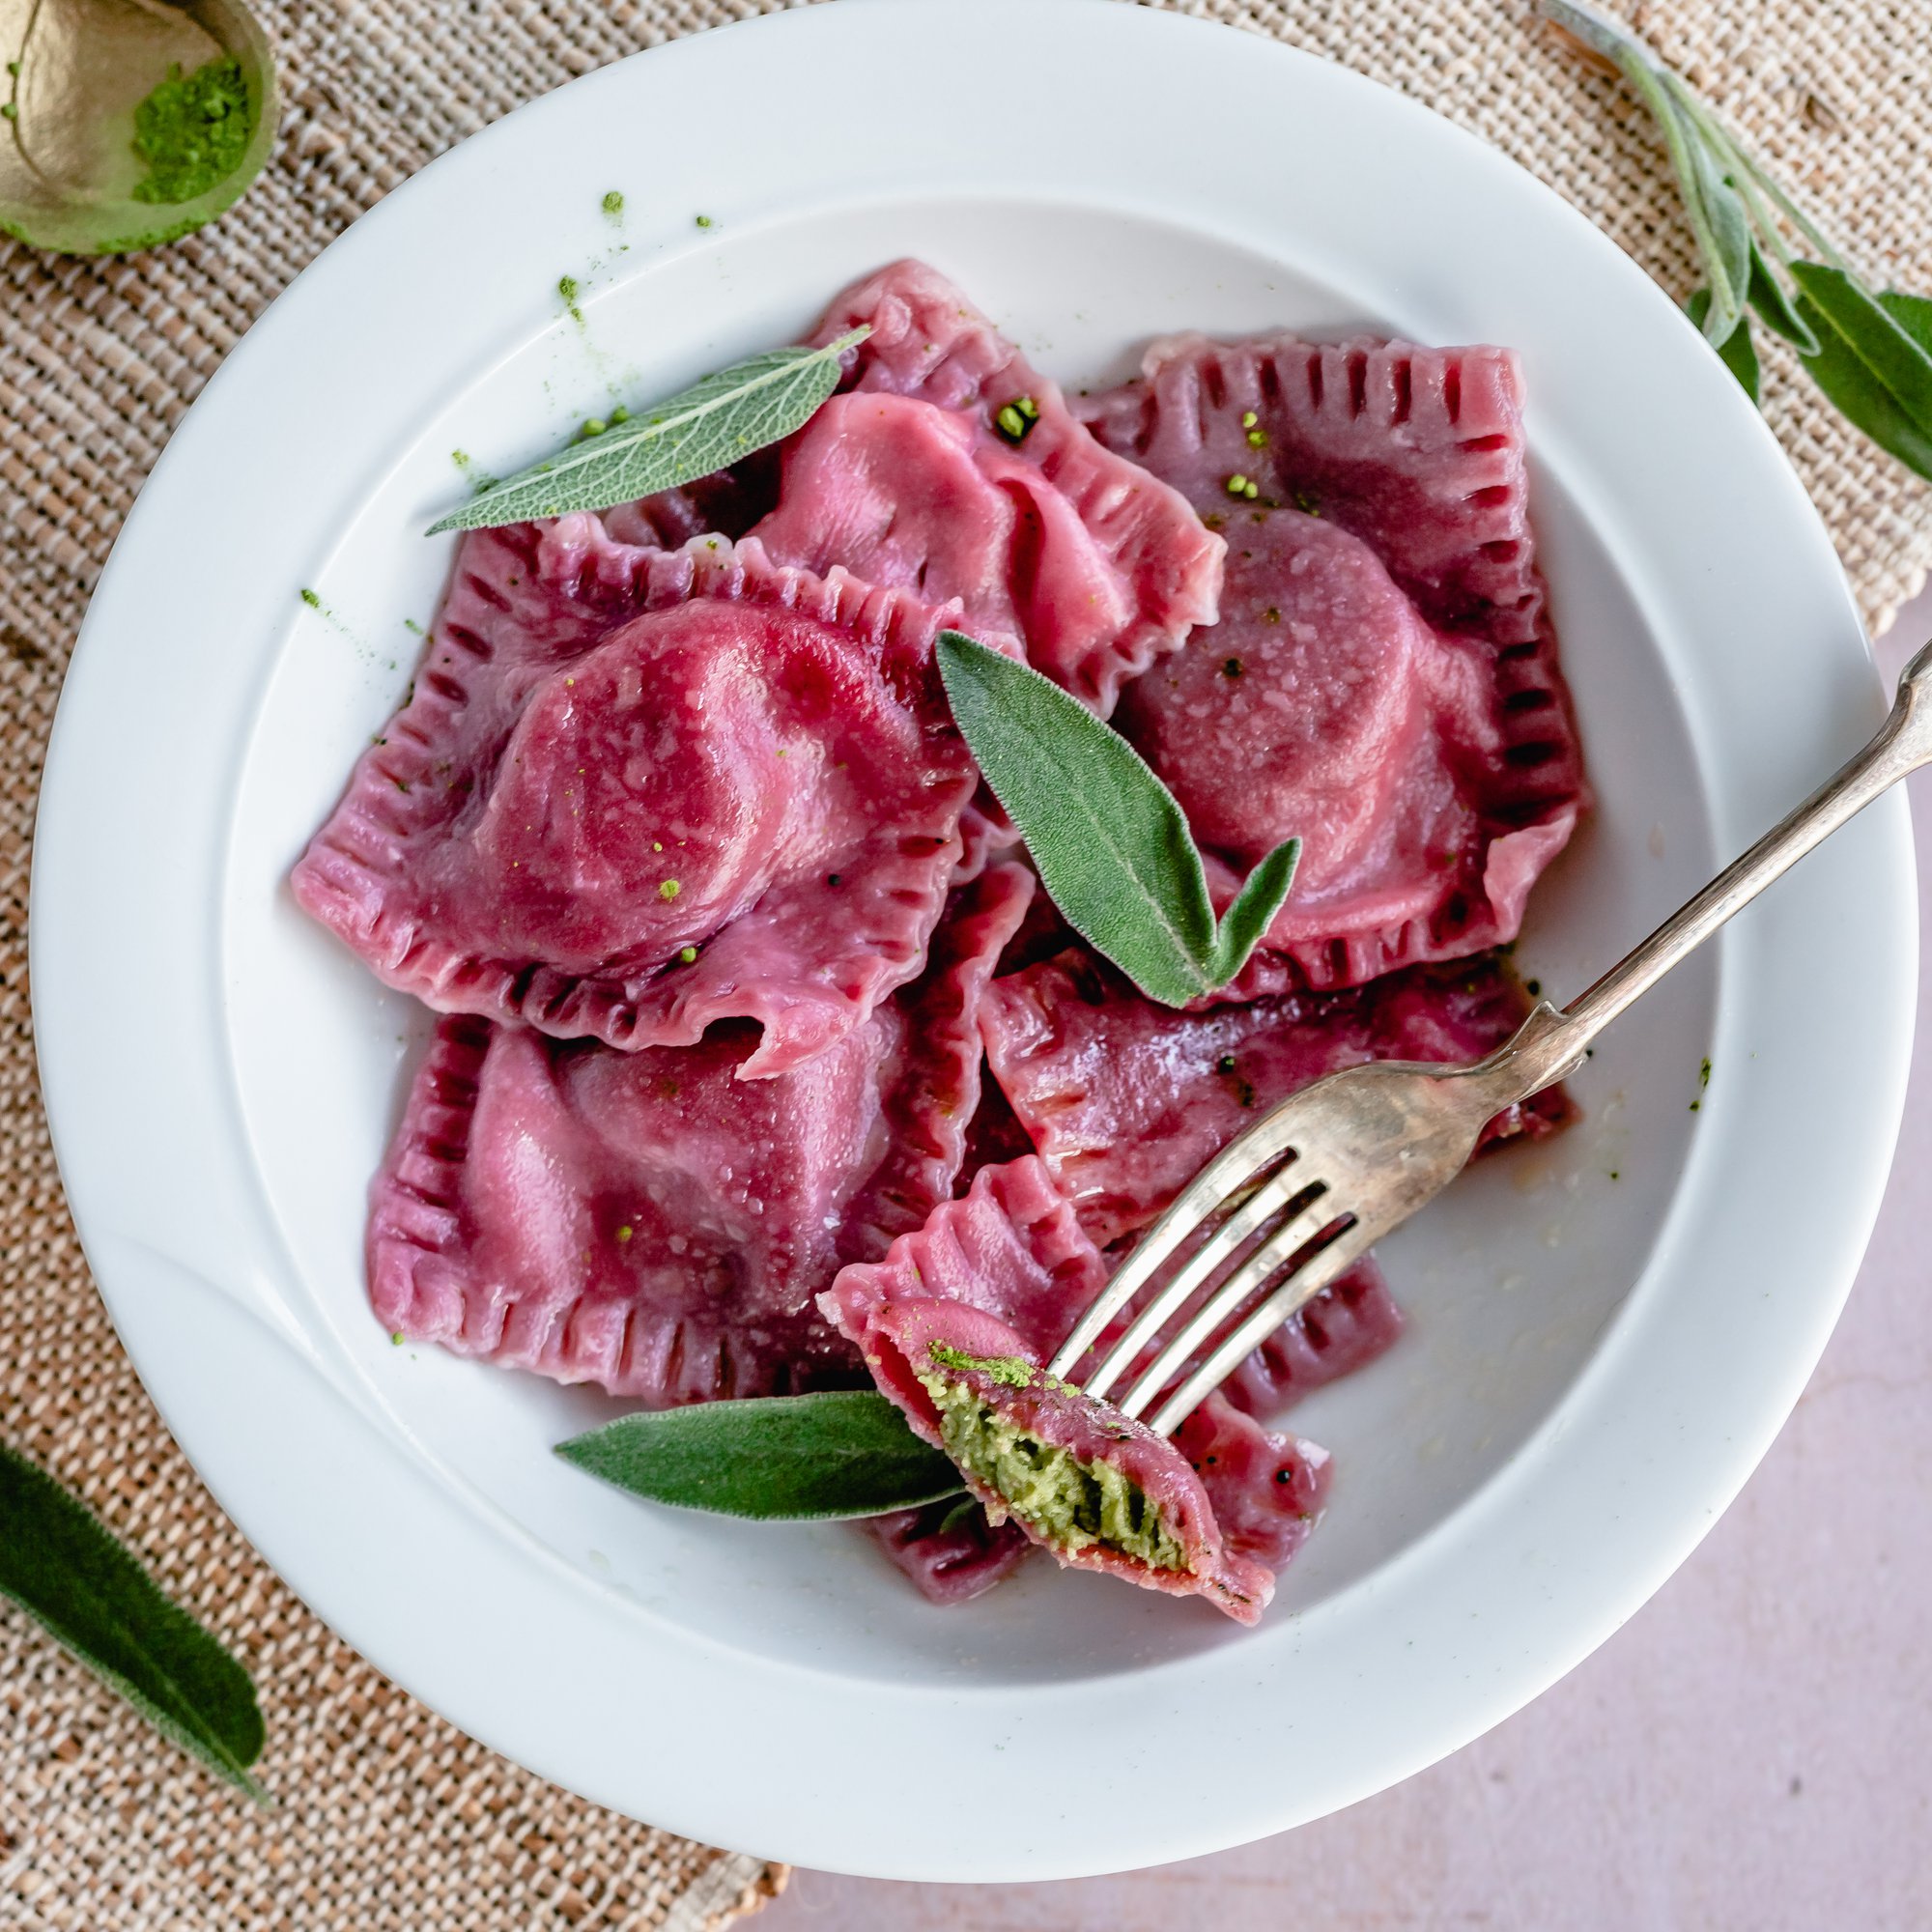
193	132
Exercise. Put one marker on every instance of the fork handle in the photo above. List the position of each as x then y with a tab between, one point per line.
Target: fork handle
1550	1044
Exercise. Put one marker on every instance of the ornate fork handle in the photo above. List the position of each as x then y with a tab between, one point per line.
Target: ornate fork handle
1550	1044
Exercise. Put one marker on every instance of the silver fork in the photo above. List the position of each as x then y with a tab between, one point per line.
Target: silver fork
1332	1168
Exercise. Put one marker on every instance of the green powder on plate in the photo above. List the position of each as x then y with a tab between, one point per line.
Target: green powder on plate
193	132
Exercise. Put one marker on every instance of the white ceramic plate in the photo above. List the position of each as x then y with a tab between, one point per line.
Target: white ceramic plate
1606	1332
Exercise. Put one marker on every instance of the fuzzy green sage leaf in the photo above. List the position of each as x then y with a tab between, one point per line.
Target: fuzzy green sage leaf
61	1565
715	422
1857	326
1711	205
1111	841
779	1459
1869	351
1775	308
1737	351
1728	229
1859	394
1911	313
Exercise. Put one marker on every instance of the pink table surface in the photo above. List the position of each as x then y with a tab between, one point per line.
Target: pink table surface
1753	1750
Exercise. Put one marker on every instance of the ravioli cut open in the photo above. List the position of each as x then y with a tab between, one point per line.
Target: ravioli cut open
1382	680
1103	566
1097	1490
1009	1261
651	1223
639	792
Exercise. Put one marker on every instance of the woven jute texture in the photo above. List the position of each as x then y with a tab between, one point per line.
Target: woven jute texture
387	1816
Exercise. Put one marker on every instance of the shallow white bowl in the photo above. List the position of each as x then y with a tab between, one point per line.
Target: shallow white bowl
1607	1331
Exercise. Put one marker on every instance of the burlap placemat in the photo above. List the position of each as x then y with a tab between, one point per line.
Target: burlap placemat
388	1817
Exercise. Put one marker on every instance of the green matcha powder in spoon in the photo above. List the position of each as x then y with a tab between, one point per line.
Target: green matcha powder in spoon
125	123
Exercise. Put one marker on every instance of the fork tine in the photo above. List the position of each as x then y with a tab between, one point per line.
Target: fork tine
1250	1212
1236	1167
1301	1288
1281	1245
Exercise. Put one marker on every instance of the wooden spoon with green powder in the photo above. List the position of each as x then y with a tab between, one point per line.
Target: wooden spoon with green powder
127	123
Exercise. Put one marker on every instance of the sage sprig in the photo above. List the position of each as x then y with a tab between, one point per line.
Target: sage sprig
1111	843
1869	351
715	423
63	1566
779	1459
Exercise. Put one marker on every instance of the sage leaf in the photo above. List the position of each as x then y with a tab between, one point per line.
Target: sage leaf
1851	385
1261	896
1911	313
714	423
1737	351
1774	309
1730	237
778	1459
1739	354
63	1566
957	1516
1873	333
1851	388
1870	355
1699	180
1111	843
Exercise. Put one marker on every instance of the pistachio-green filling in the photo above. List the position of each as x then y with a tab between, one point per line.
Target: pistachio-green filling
1072	1504
1014	1371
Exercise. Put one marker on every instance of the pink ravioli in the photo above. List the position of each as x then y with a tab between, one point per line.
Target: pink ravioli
1351	1321
1418	451
1266	1492
948	1551
637	792
651	1222
1322	707
1266	1489
909	1343
1099	566
1013	1250
1126	1099
726	503
1384	678
1012	1246
903	492
1342	1330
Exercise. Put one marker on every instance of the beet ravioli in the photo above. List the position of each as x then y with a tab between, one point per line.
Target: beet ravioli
954	1323
653	1223
1382	680
637	792
760	1071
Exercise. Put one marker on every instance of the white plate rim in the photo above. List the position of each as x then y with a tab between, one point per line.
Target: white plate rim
135	1199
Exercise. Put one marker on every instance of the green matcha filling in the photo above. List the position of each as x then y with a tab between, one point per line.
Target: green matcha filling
1072	1504
1014	1371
